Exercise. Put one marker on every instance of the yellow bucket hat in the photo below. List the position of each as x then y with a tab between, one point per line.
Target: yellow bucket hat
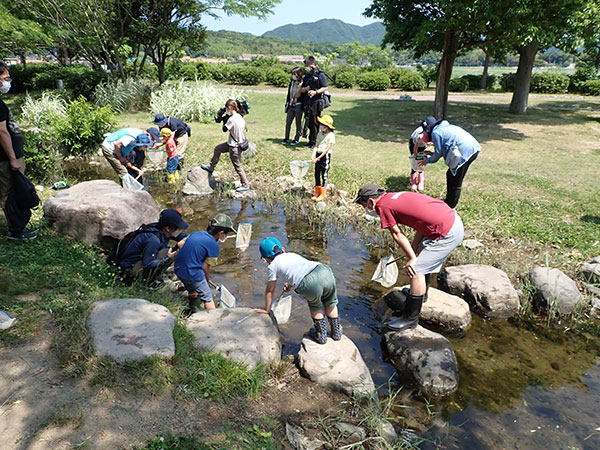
165	131
326	120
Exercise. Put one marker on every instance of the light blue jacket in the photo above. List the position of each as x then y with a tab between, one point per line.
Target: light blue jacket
445	138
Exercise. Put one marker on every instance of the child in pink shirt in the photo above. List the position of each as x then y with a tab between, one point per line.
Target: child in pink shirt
172	156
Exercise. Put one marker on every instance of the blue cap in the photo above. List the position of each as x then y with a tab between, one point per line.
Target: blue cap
143	140
171	218
270	247
153	131
428	123
160	120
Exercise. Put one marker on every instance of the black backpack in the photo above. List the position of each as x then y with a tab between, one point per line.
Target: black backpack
24	191
116	254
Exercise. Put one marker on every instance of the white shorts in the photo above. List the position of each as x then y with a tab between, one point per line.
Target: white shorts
433	253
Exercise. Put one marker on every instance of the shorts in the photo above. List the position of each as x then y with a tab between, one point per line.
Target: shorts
433	253
201	287
318	288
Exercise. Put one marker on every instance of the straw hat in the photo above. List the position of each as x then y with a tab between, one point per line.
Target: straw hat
326	120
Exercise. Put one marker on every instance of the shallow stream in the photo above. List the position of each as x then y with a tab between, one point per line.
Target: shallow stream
521	386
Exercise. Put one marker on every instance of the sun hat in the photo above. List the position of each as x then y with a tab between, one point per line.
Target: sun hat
428	123
222	221
160	120
154	133
171	218
326	120
142	140
165	131
270	247
368	191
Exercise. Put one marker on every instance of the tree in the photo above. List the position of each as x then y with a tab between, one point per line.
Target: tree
446	25
360	55
19	34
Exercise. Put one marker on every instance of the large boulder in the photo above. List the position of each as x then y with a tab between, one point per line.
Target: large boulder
425	357
239	334
486	288
131	329
199	182
553	287
590	271
99	211
337	365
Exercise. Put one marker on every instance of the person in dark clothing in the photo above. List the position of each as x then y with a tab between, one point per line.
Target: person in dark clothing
313	85
12	157
148	254
181	130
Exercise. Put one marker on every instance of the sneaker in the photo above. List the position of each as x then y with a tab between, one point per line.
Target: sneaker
309	144
207	168
25	235
243	189
295	142
285	142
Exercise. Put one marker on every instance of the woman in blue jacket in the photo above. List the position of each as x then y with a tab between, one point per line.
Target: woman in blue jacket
458	148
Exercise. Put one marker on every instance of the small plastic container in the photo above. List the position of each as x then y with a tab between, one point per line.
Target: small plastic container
299	168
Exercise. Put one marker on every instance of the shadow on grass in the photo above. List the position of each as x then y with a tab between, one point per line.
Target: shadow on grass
397	184
591	219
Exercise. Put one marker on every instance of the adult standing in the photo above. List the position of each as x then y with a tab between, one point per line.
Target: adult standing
12	157
438	231
236	125
181	130
458	148
314	85
118	145
293	106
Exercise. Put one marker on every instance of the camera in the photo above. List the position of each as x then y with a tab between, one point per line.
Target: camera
221	116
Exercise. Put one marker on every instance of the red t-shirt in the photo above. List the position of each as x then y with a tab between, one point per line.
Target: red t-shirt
429	216
171	148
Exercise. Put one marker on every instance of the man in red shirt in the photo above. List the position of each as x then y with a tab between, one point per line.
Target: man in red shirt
439	230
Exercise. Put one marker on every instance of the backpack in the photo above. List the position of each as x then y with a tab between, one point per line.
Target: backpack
24	191
116	254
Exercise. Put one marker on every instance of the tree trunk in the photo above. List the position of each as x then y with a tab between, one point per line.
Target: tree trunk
484	75
518	104
444	73
23	58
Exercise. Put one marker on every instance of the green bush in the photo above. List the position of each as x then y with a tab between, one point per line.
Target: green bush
475	81
405	79
219	71
82	130
22	77
345	80
43	111
41	155
374	81
458	85
549	83
278	77
149	71
507	82
581	75
591	87
177	70
245	75
203	71
130	95
78	79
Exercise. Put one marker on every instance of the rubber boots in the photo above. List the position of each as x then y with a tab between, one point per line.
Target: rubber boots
322	194
336	328
171	178
176	175
410	317
413	181
319	332
421	186
195	304
317	193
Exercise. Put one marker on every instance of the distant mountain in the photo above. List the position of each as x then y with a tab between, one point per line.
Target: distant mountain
331	31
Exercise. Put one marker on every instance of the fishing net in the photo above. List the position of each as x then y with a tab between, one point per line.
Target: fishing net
244	234
155	156
386	272
227	297
282	309
131	183
299	168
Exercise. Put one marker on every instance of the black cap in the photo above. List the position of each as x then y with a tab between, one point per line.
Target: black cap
428	123
153	131
171	218
368	191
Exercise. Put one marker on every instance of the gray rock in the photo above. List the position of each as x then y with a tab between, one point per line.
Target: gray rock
386	430
426	357
486	288
244	195
131	329
554	287
199	182
99	211
590	271
353	433
299	441
337	365
471	244
239	334
595	311
592	289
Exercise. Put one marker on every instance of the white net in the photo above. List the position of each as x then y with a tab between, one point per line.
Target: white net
282	309
227	297
386	272
299	168
155	156
131	183
244	234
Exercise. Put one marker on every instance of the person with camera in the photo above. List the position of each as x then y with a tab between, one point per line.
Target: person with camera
314	85
293	107
234	122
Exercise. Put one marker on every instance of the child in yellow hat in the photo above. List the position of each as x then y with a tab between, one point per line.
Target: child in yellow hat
321	156
172	156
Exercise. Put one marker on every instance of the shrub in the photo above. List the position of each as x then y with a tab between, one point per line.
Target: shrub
203	71
581	75
44	111
429	73
245	75
22	77
149	71
507	82
41	155
474	81
278	77
458	85
78	79
374	81
405	79
220	71
196	102
130	95
345	80
82	129
591	87
549	83
177	70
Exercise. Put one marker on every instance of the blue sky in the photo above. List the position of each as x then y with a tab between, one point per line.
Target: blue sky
294	12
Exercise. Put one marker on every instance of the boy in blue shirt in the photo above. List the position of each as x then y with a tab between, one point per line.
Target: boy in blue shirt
195	256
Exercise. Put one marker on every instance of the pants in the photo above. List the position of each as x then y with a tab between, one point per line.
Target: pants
294	112
454	182
234	155
114	162
316	108
318	288
322	170
182	143
172	164
137	271
137	159
6	183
